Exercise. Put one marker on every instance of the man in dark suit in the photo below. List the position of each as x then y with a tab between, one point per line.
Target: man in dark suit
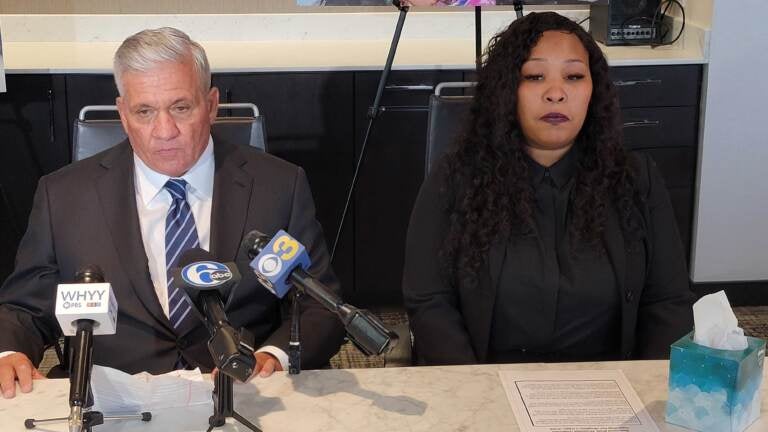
134	209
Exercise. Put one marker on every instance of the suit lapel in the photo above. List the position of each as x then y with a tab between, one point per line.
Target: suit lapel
486	298
614	245
117	197
231	198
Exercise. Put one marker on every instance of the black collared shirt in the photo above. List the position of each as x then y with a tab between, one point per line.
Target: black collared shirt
554	302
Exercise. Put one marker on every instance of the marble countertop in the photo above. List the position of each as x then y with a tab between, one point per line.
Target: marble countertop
299	42
429	399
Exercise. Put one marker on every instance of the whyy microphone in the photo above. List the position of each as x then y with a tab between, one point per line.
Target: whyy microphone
84	309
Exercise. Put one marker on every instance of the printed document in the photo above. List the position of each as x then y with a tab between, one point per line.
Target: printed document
575	401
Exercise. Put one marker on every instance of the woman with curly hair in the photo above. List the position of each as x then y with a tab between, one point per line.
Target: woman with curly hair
540	238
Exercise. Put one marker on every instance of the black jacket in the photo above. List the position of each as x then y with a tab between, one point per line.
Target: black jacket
86	214
453	326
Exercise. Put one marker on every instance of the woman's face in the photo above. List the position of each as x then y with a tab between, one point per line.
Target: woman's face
554	92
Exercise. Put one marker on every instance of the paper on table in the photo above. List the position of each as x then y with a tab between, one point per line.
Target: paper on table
548	401
116	391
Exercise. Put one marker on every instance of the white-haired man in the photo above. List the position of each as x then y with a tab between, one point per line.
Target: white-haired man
134	208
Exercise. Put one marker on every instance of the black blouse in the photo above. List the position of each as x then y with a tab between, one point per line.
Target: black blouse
554	302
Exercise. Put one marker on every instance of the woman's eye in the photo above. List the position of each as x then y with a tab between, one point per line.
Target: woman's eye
533	77
575	77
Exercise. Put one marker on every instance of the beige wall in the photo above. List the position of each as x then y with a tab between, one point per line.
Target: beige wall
697	12
177	7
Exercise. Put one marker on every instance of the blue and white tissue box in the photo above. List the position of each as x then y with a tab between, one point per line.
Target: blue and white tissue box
712	389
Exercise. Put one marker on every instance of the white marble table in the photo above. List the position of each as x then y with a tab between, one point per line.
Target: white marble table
430	399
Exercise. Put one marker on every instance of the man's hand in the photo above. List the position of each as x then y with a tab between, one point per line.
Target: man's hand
17	366
266	364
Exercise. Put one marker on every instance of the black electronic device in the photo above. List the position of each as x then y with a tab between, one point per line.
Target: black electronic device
629	22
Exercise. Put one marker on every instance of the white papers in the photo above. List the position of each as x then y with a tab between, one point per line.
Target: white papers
115	391
575	401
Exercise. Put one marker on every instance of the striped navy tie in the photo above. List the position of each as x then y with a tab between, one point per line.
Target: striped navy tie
180	235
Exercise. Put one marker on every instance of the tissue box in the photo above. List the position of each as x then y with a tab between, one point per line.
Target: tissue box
712	389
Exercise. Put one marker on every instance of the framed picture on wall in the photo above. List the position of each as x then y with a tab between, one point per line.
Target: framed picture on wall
439	3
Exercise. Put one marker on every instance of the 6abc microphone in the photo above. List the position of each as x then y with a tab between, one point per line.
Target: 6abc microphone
206	282
282	261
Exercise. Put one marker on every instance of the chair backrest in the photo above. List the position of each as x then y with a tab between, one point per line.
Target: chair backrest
93	136
447	115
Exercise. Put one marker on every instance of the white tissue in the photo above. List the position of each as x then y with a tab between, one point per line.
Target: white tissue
716	325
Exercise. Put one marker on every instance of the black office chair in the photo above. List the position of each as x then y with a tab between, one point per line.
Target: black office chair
93	136
447	115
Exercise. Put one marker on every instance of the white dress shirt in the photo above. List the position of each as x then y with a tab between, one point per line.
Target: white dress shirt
152	204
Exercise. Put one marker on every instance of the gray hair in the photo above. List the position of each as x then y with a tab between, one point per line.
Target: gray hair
148	49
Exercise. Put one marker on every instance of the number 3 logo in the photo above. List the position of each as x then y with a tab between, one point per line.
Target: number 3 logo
285	247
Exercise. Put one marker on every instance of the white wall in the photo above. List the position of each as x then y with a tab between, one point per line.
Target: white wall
731	226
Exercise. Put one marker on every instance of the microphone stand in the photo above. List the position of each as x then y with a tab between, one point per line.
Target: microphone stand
294	344
223	391
373	113
81	418
224	404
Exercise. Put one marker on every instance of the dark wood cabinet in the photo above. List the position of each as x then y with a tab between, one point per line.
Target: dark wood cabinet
308	118
318	120
34	142
390	178
660	110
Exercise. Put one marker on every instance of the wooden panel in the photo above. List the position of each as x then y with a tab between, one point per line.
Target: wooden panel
389	179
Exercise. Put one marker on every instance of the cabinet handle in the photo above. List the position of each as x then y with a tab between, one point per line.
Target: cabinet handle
642	123
418	87
51	120
621	83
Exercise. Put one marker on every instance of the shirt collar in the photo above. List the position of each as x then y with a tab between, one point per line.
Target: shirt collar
561	171
149	183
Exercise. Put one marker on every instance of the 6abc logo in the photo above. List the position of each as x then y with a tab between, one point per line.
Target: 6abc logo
206	274
270	264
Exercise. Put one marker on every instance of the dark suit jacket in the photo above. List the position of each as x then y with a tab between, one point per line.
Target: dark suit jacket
86	213
452	326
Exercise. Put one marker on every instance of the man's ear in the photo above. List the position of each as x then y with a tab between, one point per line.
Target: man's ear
121	107
213	103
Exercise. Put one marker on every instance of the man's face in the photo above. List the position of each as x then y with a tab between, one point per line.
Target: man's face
167	116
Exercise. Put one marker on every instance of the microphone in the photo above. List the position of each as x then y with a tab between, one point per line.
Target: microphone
205	281
84	309
282	261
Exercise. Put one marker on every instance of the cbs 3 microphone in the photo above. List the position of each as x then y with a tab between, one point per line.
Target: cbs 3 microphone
281	262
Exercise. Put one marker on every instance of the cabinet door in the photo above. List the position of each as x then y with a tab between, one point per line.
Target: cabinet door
308	119
390	178
90	89
33	132
657	86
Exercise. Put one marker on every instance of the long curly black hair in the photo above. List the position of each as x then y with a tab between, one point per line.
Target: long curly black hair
487	175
